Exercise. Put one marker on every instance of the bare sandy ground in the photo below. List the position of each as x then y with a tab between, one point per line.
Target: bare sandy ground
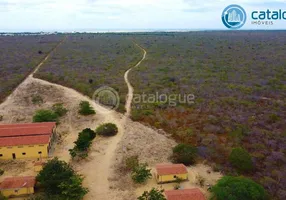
103	168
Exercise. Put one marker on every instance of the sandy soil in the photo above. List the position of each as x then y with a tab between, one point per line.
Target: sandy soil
103	169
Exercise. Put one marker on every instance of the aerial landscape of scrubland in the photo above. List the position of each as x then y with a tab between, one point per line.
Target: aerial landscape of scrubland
19	56
232	134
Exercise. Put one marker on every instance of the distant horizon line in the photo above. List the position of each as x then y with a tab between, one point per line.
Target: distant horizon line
133	30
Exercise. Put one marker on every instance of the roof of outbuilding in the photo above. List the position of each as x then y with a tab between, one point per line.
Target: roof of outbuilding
186	194
24	140
18	182
11	130
168	169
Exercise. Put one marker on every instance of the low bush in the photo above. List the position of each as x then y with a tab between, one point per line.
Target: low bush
241	160
59	109
184	153
107	129
85	108
45	116
37	99
141	173
132	162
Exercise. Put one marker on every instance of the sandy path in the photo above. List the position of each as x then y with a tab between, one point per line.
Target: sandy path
102	166
98	167
130	88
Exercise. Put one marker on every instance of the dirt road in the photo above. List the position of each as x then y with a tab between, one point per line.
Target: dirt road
130	88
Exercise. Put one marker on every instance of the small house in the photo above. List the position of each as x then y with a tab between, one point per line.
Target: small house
186	194
18	186
171	172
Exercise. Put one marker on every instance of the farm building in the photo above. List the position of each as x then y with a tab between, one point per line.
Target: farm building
186	194
32	140
171	172
17	186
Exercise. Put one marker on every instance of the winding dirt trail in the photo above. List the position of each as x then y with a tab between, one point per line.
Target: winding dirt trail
130	88
98	167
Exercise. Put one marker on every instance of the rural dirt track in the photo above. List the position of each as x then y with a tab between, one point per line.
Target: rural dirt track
99	166
130	88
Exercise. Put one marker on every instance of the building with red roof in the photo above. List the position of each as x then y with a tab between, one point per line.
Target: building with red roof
18	186
171	172
186	194
31	140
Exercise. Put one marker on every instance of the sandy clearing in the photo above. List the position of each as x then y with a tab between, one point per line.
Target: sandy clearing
103	168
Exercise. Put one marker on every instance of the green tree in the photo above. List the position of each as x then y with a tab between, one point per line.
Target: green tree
107	129
184	153
141	174
241	160
83	143
54	178
59	109
85	108
72	189
45	116
237	188
153	194
90	133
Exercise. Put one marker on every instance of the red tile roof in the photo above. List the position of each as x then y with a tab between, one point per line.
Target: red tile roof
186	194
9	130
170	169
18	182
24	140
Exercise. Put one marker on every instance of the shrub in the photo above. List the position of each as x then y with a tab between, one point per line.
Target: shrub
82	143
141	174
45	116
153	194
1	172
1	117
37	99
59	109
184	153
132	162
241	160
107	129
237	188
60	180
85	108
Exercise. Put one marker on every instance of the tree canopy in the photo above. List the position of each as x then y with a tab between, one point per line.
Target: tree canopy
60	181
184	153
153	194
237	188
241	160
